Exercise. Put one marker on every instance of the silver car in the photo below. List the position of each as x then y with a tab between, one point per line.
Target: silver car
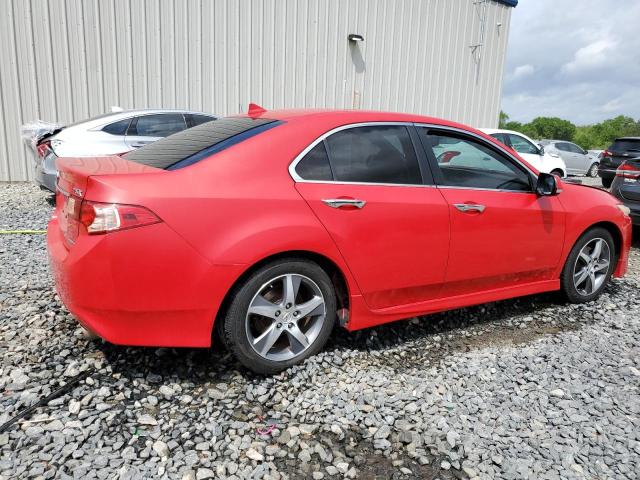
109	134
577	160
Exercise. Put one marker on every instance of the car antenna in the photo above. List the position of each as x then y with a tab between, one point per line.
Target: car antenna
255	110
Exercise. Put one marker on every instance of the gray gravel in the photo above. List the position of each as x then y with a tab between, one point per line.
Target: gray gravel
527	388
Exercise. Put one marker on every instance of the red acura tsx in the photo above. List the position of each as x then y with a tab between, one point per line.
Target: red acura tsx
274	226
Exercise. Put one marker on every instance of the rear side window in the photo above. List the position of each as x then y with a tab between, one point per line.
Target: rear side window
160	125
192	145
624	145
564	147
117	128
315	165
193	119
375	154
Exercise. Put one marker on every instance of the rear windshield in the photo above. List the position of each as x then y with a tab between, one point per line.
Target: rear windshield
625	144
194	144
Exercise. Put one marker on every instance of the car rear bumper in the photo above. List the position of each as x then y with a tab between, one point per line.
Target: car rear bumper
45	174
143	287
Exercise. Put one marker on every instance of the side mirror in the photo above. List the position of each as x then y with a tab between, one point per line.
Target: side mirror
547	185
540	149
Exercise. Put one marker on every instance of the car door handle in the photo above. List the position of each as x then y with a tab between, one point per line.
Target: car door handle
469	207
140	144
344	202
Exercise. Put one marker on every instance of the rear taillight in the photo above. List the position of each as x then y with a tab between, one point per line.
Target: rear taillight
109	217
43	148
628	170
607	153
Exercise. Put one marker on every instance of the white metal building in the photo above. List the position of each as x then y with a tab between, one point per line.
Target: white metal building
67	60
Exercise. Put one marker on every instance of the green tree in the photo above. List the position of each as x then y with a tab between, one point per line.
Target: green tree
551	127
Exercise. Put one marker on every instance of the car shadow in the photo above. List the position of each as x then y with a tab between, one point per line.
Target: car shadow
200	366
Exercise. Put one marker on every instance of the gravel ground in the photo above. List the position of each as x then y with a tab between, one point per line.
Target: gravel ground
526	388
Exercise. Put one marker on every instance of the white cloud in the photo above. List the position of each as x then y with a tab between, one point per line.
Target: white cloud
593	55
522	71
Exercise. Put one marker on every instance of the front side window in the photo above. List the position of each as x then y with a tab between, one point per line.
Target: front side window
522	145
563	147
575	149
465	162
161	125
374	154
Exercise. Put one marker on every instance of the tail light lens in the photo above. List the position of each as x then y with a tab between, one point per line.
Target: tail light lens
607	153
43	148
628	170
110	217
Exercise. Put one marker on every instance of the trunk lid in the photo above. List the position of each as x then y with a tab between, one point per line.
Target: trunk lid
73	177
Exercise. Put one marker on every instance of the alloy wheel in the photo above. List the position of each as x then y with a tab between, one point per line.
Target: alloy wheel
285	317
592	266
593	171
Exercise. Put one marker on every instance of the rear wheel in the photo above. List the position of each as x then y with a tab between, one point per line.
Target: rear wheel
589	266
593	170
283	313
606	182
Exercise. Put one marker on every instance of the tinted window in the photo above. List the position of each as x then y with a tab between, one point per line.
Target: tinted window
563	147
192	145
376	154
117	128
624	145
315	164
574	148
161	125
193	119
522	145
501	137
463	162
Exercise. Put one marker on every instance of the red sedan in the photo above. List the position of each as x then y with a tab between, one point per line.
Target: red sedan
275	226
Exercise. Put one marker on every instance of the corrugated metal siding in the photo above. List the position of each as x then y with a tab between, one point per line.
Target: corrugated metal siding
67	60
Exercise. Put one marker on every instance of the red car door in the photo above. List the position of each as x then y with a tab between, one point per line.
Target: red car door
502	233
365	184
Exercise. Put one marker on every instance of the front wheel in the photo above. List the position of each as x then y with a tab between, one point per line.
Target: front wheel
589	266
557	172
593	171
283	313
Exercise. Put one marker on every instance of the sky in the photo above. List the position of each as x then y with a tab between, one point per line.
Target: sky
574	59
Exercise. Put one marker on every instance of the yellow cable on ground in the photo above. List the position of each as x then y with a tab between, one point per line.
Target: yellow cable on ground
21	232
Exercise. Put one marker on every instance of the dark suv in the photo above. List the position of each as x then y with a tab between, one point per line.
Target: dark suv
620	150
626	187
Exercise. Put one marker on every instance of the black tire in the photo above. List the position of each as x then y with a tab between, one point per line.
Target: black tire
567	279
606	182
557	172
593	170
234	328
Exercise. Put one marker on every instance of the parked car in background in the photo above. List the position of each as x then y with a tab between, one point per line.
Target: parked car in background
577	160
273	227
626	187
619	151
530	151
109	134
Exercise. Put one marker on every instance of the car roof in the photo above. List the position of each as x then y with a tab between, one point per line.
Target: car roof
345	117
106	118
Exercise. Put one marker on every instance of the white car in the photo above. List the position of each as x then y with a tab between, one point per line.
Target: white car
110	134
530	151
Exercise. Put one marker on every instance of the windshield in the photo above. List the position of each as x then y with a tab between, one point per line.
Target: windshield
625	145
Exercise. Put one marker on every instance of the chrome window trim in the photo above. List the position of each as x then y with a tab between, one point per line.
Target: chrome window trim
294	175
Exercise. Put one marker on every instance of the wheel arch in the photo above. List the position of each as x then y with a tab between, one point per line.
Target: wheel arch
616	234
335	273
